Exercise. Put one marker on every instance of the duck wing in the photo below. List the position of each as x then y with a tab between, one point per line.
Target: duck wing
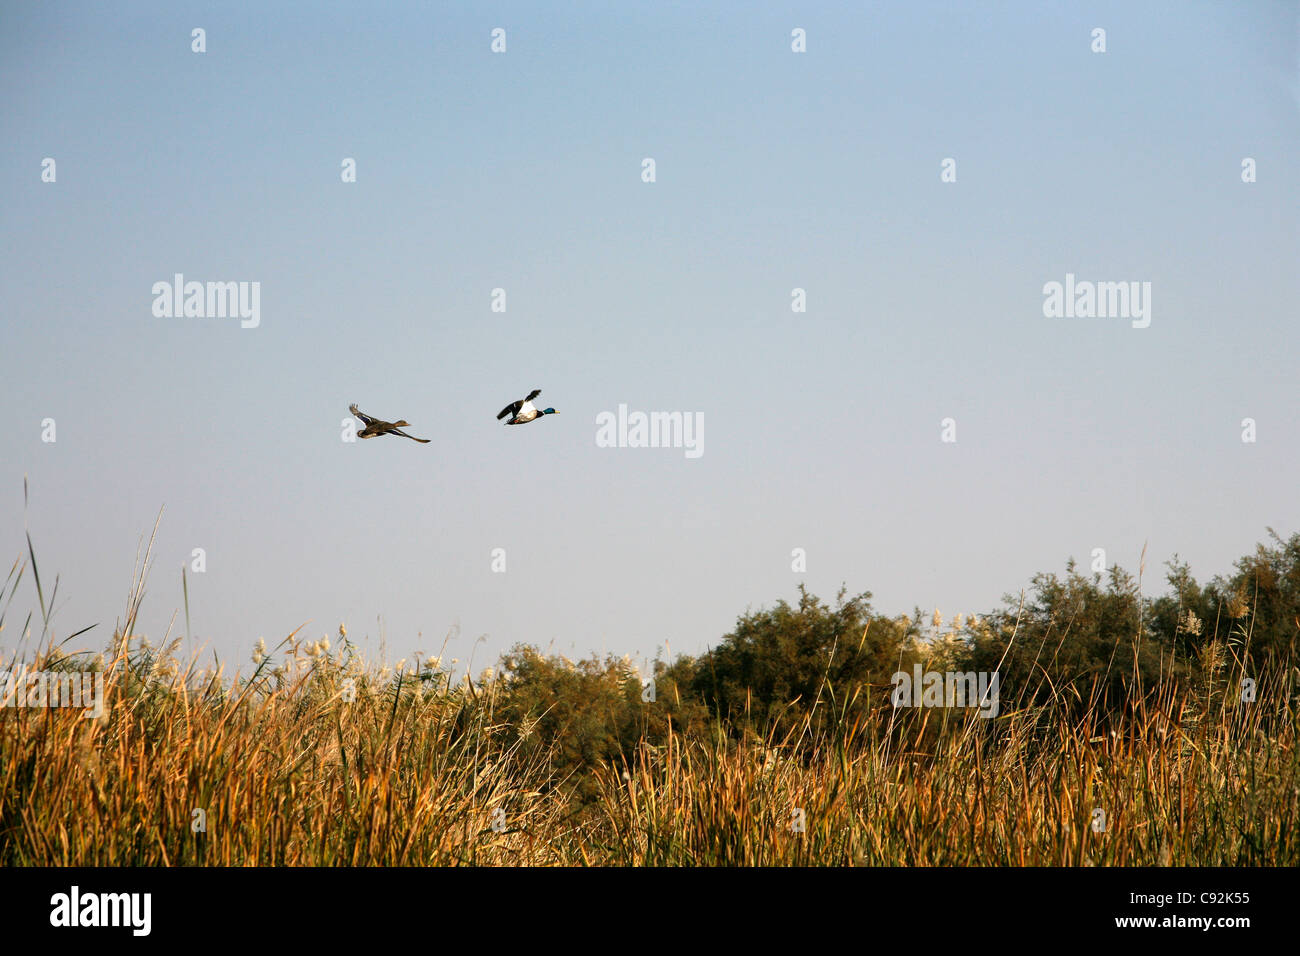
361	415
512	410
533	394
398	431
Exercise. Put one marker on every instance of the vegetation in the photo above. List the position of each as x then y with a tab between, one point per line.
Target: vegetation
777	746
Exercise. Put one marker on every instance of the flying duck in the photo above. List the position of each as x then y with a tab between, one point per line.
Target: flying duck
522	412
375	427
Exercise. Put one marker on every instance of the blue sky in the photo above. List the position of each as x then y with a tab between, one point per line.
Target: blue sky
775	170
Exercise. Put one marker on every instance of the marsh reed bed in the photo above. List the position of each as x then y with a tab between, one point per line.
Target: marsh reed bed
317	757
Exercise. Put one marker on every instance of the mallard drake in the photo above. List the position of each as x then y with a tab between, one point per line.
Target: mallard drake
522	412
375	427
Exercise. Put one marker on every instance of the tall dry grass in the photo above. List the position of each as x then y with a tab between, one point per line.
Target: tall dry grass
319	759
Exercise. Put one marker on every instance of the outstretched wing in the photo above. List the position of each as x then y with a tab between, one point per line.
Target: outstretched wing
361	415
512	410
533	394
398	431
